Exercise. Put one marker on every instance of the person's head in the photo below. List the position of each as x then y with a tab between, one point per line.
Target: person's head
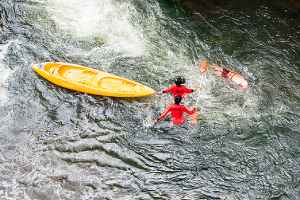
177	100
179	80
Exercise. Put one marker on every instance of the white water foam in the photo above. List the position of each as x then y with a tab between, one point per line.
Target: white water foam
4	74
107	19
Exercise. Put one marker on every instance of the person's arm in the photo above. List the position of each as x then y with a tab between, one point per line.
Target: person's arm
193	114
164	114
167	90
187	90
190	112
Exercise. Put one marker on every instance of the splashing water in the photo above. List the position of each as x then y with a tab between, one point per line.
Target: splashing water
106	19
5	73
59	144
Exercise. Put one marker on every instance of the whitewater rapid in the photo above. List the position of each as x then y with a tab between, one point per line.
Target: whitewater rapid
106	20
5	73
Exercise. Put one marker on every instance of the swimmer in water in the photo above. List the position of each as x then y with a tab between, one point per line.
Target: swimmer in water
177	113
225	73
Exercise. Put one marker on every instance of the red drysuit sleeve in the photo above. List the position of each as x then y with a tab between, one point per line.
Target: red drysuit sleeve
190	112
164	114
187	90
167	90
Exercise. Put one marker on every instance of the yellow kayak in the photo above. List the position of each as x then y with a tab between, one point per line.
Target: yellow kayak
91	81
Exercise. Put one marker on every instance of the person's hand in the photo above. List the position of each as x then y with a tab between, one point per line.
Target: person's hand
156	120
195	88
158	93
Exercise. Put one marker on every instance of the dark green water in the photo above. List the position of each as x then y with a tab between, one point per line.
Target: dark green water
58	144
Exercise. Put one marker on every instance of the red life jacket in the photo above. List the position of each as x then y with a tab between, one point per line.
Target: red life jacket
176	112
178	90
225	73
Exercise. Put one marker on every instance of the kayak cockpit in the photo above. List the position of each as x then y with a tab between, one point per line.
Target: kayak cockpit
114	83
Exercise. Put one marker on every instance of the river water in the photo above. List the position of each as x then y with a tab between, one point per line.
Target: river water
58	144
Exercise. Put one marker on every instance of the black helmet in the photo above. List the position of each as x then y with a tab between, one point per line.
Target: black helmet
179	80
177	99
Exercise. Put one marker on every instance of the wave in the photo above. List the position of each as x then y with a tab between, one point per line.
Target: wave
105	19
5	73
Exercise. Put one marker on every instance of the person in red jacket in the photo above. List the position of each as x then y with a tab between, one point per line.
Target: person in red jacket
177	112
178	89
